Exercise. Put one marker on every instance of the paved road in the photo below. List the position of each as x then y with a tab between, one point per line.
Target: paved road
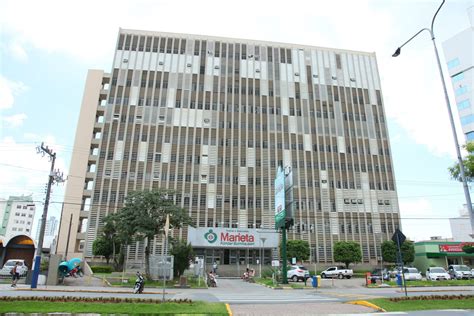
253	299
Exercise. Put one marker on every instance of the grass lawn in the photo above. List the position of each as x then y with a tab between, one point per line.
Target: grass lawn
200	308
417	305
430	283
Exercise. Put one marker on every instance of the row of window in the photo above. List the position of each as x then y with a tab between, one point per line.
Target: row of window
23	214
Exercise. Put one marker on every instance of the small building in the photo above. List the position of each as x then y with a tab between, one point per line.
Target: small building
441	254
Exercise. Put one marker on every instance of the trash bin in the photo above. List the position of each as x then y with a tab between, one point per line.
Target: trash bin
399	280
315	281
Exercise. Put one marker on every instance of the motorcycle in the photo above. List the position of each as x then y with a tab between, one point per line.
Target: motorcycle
139	284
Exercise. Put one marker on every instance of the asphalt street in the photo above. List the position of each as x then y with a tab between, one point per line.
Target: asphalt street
253	299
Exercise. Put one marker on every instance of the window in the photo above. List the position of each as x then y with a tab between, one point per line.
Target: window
461	90
470	136
453	63
458	77
464	104
467	119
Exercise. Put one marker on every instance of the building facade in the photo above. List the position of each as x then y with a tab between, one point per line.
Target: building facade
16	216
213	118
459	54
435	253
461	226
49	231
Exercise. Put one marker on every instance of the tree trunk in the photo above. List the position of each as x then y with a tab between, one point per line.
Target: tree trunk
147	258
347	265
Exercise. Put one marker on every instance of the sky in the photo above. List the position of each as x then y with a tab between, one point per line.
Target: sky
46	48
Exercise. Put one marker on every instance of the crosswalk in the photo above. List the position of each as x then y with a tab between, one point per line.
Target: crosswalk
275	298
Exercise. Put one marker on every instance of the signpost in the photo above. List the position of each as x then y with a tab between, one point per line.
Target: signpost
398	237
284	210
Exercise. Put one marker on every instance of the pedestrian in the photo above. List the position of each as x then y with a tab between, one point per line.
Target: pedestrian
214	267
15	272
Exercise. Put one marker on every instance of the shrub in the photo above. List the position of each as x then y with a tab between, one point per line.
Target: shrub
101	269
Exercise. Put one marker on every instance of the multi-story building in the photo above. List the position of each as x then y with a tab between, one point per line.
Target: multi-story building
213	118
461	226
49	231
459	52
16	216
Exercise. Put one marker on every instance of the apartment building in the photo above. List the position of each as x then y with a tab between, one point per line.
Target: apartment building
459	55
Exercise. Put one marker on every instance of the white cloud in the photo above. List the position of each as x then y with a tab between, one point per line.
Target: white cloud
14	120
8	90
423	223
18	52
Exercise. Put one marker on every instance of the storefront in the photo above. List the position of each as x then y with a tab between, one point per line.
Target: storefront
234	249
441	254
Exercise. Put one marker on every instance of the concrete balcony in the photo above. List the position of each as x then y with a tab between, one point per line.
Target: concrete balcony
81	236
95	141
90	175
87	193
93	158
83	214
100	110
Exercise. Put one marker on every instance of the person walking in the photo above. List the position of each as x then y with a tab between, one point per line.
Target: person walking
214	267
15	272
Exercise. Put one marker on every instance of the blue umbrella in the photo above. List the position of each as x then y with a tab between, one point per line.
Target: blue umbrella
74	262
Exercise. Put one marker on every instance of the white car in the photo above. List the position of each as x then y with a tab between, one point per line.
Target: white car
459	272
437	273
296	273
411	274
8	266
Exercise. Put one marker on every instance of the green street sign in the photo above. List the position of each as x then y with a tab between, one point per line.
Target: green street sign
280	211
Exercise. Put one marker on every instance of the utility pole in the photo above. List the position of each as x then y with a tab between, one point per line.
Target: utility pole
54	177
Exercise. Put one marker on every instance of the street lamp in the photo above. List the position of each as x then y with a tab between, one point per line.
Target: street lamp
453	127
262	239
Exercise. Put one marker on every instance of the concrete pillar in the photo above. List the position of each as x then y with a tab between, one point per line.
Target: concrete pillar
54	261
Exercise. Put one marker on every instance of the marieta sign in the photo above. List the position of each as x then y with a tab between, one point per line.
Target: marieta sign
231	237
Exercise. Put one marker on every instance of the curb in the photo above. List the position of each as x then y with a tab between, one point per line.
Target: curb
87	291
227	306
367	304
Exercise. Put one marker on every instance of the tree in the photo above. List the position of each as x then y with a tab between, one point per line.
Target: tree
102	246
111	233
389	251
144	215
468	163
183	253
347	252
298	249
468	248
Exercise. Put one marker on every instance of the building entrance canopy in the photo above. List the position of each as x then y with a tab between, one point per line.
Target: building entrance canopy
211	237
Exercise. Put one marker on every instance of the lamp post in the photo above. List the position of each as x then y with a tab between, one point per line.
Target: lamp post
262	239
453	127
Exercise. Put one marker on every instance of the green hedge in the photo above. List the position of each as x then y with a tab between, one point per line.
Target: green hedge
102	269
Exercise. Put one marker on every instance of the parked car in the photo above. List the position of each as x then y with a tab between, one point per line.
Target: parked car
411	274
459	271
437	273
379	274
337	272
296	273
8	266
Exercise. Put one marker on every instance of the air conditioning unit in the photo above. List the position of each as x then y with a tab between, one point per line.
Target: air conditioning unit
257	70
188	65
125	60
315	76
160	63
297	74
216	67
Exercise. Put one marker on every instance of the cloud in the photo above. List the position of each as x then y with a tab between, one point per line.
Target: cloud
14	120
24	172
8	90
16	50
423	224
